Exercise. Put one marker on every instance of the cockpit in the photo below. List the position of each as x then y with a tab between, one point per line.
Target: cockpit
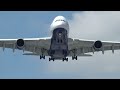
60	20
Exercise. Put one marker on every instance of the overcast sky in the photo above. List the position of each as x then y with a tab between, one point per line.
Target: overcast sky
102	25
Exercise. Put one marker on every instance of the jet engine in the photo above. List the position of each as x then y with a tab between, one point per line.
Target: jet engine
97	45
20	43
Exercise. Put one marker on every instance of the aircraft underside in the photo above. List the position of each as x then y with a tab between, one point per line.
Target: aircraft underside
59	46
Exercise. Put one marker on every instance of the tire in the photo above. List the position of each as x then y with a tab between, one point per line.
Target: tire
40	57
76	57
67	59
72	58
43	57
53	59
49	59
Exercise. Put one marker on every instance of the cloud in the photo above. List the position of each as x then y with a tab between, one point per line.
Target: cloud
96	25
102	25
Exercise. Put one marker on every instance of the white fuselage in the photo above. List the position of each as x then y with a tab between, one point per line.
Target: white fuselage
59	39
59	22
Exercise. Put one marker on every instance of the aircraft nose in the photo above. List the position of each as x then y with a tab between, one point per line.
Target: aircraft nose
61	23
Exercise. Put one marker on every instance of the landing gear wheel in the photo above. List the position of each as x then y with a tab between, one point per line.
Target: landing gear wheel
42	57
65	59
51	59
74	57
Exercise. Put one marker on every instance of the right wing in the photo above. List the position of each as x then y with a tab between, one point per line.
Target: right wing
81	46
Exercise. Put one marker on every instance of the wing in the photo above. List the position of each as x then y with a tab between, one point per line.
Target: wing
36	46
81	46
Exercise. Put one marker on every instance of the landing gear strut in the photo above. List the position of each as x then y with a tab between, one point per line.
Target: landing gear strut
42	56
74	56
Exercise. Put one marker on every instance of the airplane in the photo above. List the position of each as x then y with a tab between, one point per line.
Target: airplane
59	46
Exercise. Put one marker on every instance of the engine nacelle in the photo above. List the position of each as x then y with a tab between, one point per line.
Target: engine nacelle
97	45
20	43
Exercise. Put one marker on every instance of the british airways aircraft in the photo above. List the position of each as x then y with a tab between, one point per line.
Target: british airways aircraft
59	46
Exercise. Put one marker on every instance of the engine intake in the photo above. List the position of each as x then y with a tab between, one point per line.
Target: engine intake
98	44
20	43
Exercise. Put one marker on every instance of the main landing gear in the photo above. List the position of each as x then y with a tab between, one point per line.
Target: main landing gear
42	56
51	59
74	57
64	59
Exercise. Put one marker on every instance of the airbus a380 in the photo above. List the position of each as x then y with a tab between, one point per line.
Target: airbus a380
59	46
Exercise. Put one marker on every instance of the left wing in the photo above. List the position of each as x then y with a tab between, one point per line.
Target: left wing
80	46
35	45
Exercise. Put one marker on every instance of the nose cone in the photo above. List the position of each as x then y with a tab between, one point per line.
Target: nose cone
59	18
59	22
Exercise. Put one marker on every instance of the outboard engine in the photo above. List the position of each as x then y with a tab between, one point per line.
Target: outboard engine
20	43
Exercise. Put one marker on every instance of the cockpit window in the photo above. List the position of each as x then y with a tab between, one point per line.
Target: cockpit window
60	20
